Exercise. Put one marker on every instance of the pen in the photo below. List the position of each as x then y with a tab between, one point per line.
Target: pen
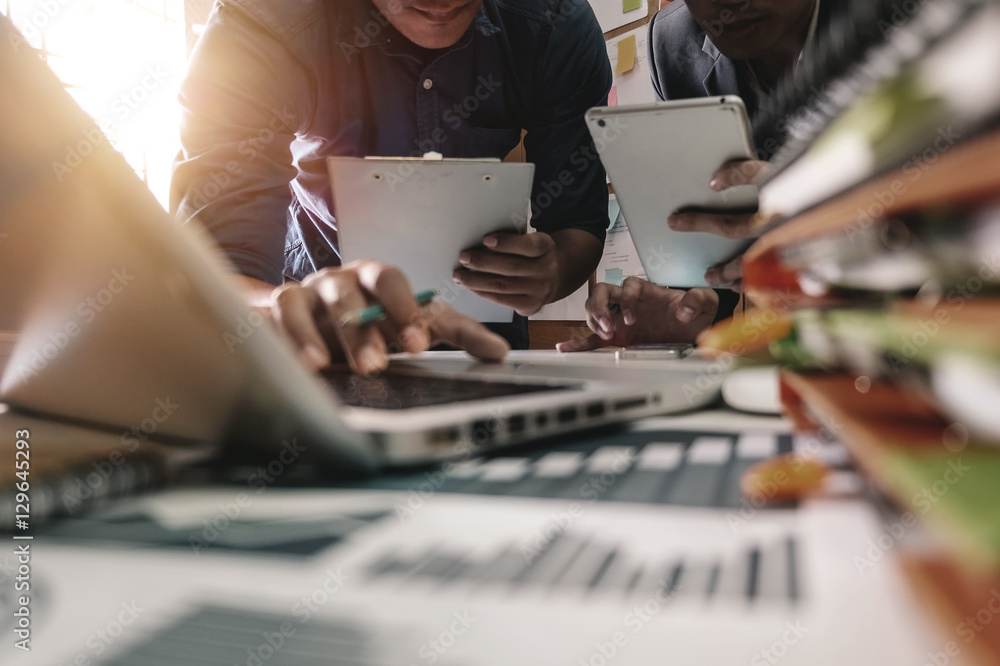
375	313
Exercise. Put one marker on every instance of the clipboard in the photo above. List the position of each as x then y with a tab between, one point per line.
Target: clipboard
419	213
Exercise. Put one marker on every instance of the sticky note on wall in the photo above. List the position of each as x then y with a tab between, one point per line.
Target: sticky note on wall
630	5
613	96
626	55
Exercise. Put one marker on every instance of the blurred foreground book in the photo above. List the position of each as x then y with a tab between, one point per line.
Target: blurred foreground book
877	286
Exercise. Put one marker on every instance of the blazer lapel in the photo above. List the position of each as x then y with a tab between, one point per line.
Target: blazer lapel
720	75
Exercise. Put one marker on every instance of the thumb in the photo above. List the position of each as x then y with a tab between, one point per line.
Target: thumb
728	272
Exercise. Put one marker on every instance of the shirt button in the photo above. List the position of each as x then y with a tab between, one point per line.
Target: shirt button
428	84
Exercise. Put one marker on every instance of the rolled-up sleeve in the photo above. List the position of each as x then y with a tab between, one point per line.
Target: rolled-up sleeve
238	119
570	189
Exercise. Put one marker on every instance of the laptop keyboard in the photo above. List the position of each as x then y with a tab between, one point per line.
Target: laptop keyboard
669	467
406	391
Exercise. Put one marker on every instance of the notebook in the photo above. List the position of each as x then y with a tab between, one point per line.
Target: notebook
119	309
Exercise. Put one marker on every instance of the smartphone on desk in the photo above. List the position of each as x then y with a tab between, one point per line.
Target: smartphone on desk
654	352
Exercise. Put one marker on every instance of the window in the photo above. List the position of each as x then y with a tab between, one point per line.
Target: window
122	60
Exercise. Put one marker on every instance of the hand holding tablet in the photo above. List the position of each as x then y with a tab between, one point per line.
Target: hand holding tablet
661	160
727	225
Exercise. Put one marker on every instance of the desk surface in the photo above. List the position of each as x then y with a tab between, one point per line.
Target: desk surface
383	576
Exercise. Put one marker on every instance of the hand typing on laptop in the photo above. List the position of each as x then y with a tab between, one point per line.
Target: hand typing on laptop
309	316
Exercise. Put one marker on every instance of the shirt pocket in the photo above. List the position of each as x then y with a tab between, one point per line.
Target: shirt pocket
492	142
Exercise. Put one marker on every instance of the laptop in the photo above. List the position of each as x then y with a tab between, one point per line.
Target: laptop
121	311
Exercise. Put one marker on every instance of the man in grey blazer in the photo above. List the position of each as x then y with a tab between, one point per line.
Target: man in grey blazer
704	48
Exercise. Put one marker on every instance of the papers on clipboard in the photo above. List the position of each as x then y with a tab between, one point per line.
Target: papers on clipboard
419	214
620	259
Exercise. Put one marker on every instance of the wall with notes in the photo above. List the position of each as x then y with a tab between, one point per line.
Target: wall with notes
625	24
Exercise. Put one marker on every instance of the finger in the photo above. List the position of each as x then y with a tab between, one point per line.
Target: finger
497	263
456	329
739	172
628	301
588	343
390	287
293	311
729	225
266	312
341	294
725	273
696	302
599	308
493	283
526	245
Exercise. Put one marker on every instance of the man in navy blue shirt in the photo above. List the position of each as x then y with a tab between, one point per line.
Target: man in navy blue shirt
275	87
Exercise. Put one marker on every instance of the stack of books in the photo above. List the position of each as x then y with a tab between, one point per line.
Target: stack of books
876	285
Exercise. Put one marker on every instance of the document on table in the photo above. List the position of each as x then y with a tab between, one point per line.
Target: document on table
620	259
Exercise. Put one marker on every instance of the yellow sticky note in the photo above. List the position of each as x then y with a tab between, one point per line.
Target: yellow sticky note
626	55
630	5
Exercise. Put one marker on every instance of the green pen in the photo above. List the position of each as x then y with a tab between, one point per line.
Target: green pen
375	313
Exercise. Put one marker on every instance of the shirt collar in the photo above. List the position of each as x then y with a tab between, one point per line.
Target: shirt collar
354	16
483	23
810	36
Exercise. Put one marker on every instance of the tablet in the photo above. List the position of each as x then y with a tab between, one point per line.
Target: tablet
660	159
418	214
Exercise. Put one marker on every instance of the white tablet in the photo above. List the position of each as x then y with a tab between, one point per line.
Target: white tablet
420	213
660	159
